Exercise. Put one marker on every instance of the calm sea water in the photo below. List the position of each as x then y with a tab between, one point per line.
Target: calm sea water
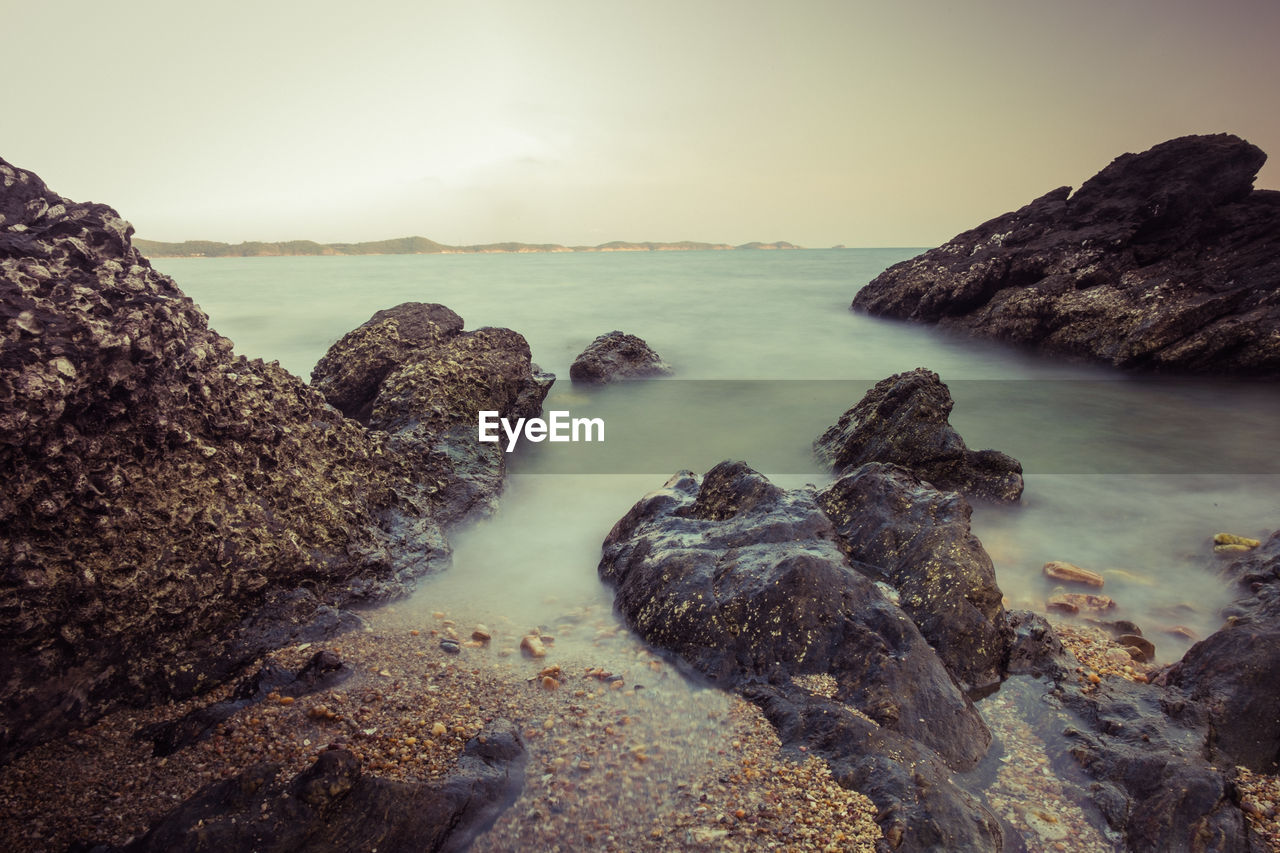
1127	476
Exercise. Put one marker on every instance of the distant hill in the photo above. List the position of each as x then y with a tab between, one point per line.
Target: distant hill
412	246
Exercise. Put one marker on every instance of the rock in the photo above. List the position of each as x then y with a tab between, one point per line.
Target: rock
322	671
1164	260
896	528
1146	650
1069	573
615	356
1152	780
1144	750
744	582
481	633
450	647
1235	671
164	499
411	371
1075	602
904	420
531	645
1230	544
917	801
333	806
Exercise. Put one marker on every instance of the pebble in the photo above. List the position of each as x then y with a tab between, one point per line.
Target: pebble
1060	570
1229	542
648	756
450	647
481	633
1074	602
532	646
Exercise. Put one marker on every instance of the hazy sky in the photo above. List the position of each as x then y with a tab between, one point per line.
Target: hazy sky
866	123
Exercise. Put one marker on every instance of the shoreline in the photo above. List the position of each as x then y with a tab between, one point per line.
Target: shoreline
627	768
425	246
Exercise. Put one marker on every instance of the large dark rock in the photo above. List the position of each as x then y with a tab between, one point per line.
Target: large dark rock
333	807
616	355
1164	260
411	371
744	582
1235	672
170	510
904	420
1154	782
1144	750
898	529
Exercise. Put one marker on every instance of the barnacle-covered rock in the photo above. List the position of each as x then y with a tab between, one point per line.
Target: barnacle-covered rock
169	509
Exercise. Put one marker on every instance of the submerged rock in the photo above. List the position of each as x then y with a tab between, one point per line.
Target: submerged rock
904	420
1164	260
1077	602
744	582
616	355
1059	570
333	806
899	529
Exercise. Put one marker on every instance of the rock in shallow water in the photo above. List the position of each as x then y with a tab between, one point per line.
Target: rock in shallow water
1236	670
904	420
744	581
616	355
1164	260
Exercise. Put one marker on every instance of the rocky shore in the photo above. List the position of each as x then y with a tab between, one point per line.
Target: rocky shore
1168	260
186	534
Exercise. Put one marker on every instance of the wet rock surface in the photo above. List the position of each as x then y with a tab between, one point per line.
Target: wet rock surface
1235	672
171	510
1165	260
1149	775
614	356
333	806
744	582
323	671
904	420
897	528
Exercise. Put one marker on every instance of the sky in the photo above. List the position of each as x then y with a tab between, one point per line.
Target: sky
888	123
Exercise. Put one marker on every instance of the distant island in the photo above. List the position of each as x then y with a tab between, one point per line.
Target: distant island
414	246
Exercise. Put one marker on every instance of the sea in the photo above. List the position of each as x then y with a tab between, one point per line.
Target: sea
1129	476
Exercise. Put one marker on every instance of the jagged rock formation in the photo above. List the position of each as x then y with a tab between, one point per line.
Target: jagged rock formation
1165	260
896	528
744	581
169	509
333	807
903	420
616	355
